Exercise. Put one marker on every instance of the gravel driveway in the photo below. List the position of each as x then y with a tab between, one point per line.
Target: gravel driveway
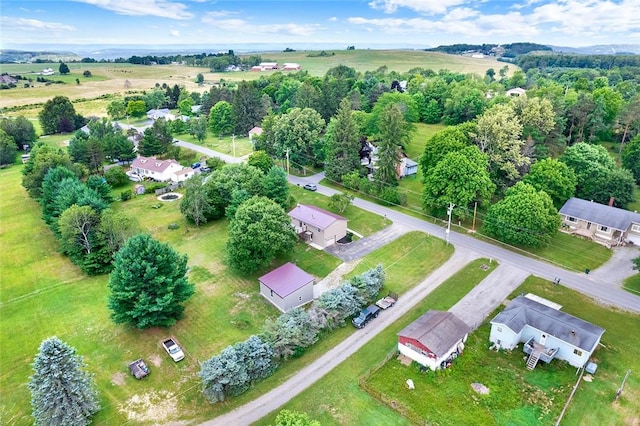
619	267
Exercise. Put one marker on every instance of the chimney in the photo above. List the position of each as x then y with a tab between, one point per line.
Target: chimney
611	200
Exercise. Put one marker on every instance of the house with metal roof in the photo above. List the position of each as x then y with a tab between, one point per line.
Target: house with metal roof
316	226
434	339
160	170
287	287
604	224
546	331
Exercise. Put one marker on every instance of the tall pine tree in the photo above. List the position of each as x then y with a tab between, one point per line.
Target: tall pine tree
148	284
62	391
343	144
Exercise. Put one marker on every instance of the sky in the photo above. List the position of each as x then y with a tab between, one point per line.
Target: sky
399	23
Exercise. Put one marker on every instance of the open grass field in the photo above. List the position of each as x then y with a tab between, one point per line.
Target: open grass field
243	146
325	401
117	79
43	294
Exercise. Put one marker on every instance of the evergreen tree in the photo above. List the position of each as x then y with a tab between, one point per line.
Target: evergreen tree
391	130
148	284
62	391
247	108
343	144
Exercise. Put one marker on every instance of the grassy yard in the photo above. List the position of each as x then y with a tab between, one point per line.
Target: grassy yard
43	294
632	284
243	145
325	400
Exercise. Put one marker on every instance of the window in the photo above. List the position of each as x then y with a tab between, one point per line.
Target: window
603	228
635	228
499	329
577	352
571	219
271	293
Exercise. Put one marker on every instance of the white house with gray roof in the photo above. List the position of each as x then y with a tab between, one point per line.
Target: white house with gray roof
317	226
546	331
606	225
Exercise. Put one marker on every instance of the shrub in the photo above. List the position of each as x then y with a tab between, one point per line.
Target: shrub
126	195
116	176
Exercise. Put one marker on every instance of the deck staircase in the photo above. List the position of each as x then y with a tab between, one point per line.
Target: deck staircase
533	359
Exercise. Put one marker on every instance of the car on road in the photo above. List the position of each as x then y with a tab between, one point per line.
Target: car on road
310	187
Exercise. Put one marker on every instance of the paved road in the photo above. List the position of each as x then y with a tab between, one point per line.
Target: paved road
514	268
364	246
272	400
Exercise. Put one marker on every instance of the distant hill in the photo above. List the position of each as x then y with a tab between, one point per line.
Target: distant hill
510	50
602	49
11	56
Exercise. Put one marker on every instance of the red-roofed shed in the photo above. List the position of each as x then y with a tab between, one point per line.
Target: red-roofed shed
287	287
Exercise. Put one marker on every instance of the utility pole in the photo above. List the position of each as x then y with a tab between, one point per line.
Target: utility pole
473	226
233	142
287	161
449	211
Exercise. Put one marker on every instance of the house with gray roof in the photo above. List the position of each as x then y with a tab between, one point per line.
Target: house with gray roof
287	287
155	114
434	339
546	331
316	226
603	224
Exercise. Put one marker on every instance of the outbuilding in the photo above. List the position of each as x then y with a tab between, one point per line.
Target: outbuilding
434	339
287	287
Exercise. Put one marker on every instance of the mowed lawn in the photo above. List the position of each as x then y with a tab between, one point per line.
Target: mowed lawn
43	294
338	398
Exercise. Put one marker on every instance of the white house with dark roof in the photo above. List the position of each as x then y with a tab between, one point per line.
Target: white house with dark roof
287	287
546	331
433	339
161	170
317	226
606	225
516	91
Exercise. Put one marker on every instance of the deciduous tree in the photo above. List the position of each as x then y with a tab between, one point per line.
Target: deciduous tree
553	177
221	120
148	284
62	391
261	160
298	131
461	178
631	157
524	217
8	148
260	230
20	129
294	418
276	186
59	116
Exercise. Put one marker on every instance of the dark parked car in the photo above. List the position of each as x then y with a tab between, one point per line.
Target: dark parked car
205	169
195	165
310	187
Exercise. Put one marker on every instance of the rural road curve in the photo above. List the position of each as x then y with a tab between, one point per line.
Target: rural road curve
513	269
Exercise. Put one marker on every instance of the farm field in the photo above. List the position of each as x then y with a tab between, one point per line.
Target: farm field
117	79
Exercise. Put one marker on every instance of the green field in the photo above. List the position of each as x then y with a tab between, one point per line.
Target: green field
43	294
120	79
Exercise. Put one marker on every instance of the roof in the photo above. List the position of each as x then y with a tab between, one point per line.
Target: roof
523	311
256	130
601	214
286	279
150	163
437	330
410	163
314	216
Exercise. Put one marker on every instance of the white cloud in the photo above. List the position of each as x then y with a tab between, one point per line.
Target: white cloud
333	19
13	24
160	8
421	6
246	28
214	15
174	33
